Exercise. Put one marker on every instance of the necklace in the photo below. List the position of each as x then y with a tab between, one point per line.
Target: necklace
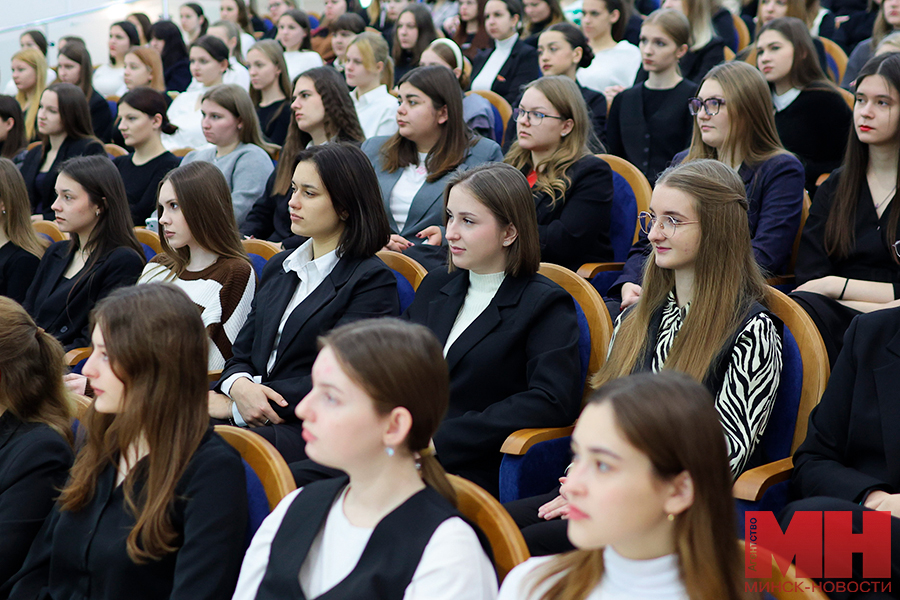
886	198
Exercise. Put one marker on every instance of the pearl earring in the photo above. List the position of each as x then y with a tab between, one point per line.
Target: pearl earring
671	517
97	213
389	451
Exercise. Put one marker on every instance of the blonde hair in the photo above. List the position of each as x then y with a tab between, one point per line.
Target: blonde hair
699	15
152	61
34	59
374	49
563	93
751	118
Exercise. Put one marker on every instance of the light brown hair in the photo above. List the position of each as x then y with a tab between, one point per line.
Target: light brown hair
374	49
33	365
16	217
236	100
159	360
275	54
673	23
37	61
727	280
77	52
152	61
393	361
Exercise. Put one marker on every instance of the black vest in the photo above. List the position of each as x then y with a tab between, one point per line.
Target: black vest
388	562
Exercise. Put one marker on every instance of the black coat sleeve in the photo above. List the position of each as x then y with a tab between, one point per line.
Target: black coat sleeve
178	76
813	260
260	221
614	143
101	117
18	275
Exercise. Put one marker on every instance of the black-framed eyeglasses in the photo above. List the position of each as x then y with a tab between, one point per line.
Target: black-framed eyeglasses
534	117
896	247
710	105
667	223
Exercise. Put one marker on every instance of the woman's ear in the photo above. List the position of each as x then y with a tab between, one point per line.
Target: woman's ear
379	66
510	235
578	52
457	72
614	16
568	125
680	494
156	121
397	427
681	51
442	115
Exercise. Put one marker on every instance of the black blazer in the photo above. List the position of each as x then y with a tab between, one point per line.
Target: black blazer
650	144
576	229
61	306
178	75
357	288
852	446
516	366
34	465
42	196
17	268
101	116
519	69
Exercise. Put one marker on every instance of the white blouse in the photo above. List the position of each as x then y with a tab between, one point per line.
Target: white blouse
107	80
377	111
616	66
301	60
184	112
495	62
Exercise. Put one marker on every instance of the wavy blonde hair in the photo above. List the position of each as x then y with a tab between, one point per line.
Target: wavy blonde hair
34	59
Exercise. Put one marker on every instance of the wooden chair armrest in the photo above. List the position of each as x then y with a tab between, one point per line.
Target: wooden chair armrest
520	441
781	280
752	484
76	355
214	376
589	270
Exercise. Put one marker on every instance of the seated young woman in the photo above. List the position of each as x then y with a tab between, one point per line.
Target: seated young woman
510	63
468	29
369	70
12	133
804	99
29	75
707	49
846	263
562	50
101	254
202	253
109	77
209	62
74	66
615	60
414	164
144	68
510	336
413	33
886	22
390	523
701	313
156	506
321	113
238	149
270	89
64	123
193	21
320	37
142	122
294	36
651	511
343	30
332	279
166	39
573	189
734	125
650	123
231	34
20	248
35	431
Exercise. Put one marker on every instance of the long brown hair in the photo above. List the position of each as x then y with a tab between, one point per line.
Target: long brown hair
393	361
37	61
157	359
481	40
442	88
205	199
556	16
563	93
840	237
153	62
15	140
727	280
79	53
806	72
74	113
881	27
16	217
275	54
752	120
33	365
236	100
672	420
426	34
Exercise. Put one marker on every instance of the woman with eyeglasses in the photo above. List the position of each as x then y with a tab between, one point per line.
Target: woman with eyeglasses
734	124
846	264
702	313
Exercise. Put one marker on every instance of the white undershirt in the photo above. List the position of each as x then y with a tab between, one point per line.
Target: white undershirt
453	565
311	274
623	579
482	289
495	62
784	100
411	180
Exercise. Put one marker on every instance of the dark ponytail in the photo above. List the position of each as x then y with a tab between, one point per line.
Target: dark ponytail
150	102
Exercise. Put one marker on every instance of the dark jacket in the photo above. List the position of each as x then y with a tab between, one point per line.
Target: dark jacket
178	75
61	306
101	116
17	269
516	366
269	218
696	63
519	69
42	196
34	465
357	288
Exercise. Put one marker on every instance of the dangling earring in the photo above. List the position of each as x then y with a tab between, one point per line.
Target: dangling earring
389	451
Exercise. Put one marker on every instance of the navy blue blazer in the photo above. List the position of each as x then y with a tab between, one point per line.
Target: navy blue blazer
34	465
516	366
62	306
775	195
42	196
852	446
520	68
357	288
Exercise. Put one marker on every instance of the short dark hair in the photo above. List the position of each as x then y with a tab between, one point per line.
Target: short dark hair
349	21
576	39
15	139
504	191
39	39
302	19
213	46
351	183
174	49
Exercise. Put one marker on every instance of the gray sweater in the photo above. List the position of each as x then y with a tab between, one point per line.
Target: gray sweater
246	169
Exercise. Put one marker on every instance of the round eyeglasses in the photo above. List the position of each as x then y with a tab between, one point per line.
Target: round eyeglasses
667	223
534	117
710	105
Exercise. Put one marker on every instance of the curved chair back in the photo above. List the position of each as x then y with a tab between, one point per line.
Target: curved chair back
76	357
409	274
743	32
182	152
82	403
502	106
728	53
114	150
260	251
149	240
49	230
624	215
837	59
594	323
850	99
481	508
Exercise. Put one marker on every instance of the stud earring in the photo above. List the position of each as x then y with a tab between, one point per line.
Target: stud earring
97	213
671	517
389	451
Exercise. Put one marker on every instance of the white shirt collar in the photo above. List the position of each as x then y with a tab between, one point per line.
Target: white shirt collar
507	44
371	96
784	100
301	262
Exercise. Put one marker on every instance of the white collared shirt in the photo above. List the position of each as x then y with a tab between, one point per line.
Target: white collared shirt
311	272
784	100
377	111
495	62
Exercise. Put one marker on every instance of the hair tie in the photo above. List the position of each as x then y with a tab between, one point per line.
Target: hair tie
454	47
38	332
